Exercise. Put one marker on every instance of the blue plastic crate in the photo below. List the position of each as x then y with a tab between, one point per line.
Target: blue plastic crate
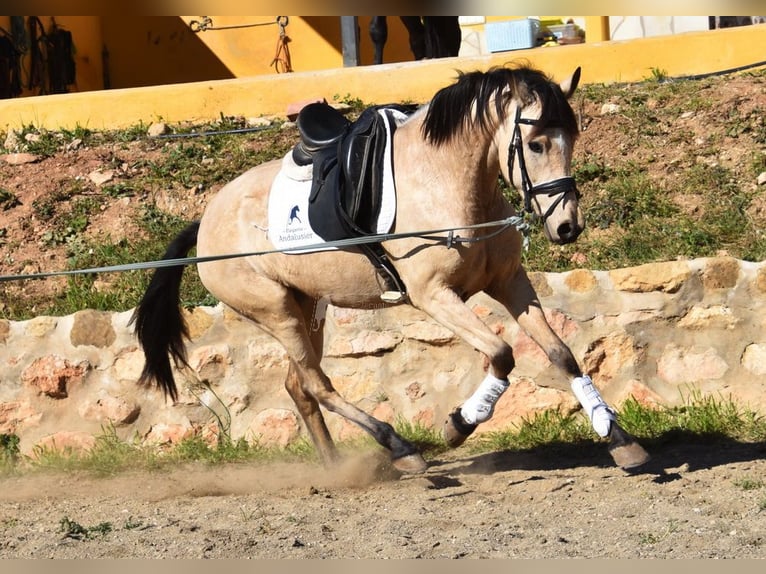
511	34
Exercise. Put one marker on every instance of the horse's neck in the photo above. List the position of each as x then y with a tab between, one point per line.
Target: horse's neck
469	164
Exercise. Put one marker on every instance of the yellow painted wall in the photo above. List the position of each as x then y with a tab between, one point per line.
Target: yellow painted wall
602	62
134	51
315	42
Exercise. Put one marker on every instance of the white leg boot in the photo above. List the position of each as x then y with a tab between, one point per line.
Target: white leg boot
599	413
481	404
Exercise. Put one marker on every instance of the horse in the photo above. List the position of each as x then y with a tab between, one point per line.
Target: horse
513	122
430	36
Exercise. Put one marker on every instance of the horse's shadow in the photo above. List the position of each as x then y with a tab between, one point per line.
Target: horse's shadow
672	452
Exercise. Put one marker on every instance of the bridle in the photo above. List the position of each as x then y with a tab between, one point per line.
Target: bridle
560	186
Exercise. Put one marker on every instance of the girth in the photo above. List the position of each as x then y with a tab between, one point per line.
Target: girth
347	182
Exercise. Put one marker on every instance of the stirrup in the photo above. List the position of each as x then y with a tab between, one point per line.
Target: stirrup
393	296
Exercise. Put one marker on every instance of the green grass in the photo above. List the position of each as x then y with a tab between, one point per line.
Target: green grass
703	419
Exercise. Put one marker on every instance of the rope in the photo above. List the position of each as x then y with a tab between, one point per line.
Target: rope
212	133
282	55
281	62
451	239
206	23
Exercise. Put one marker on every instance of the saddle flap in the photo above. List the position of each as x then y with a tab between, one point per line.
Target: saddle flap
361	154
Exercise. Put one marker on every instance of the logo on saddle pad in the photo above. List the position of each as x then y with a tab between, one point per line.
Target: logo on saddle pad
294	216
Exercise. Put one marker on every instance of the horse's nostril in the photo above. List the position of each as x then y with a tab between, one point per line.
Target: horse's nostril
568	233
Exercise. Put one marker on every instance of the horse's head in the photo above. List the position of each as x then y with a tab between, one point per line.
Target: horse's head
535	142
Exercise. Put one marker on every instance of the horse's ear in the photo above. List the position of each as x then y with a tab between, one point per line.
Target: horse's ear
569	85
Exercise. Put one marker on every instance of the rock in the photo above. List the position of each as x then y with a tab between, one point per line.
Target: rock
99	177
108	409
53	376
11	141
679	365
646	339
721	273
428	332
258	122
666	277
211	361
762	178
16	413
754	358
275	427
608	356
540	284
168	433
41	326
640	393
198	321
608	109
580	280
157	129
68	440
717	316
414	391
92	328
365	342
20	158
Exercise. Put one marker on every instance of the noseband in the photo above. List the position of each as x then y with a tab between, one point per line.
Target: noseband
560	186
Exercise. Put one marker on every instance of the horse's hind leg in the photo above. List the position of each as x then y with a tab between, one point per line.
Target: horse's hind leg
307	405
277	311
308	408
520	299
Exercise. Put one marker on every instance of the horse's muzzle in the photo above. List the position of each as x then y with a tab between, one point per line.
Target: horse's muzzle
568	231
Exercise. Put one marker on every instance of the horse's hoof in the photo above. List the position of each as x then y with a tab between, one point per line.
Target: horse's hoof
629	456
456	430
625	451
410	464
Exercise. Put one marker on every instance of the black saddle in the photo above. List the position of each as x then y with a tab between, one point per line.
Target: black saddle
347	184
320	127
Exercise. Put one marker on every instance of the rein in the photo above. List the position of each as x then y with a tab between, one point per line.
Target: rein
451	239
560	186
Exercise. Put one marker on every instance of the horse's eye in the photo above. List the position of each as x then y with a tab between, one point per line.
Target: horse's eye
535	147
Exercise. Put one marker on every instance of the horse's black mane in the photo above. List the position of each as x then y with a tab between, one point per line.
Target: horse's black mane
452	108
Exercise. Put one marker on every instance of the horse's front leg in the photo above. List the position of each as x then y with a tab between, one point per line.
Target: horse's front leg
522	302
447	308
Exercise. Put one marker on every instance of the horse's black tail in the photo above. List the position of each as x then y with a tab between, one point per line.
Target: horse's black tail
160	326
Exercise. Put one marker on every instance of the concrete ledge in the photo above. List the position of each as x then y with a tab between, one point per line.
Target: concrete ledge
603	62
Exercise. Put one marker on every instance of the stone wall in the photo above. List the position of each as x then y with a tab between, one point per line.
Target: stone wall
659	333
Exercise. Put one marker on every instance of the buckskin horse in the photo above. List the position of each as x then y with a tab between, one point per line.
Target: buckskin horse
513	122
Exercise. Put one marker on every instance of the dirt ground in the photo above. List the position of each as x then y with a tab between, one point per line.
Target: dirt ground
692	501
